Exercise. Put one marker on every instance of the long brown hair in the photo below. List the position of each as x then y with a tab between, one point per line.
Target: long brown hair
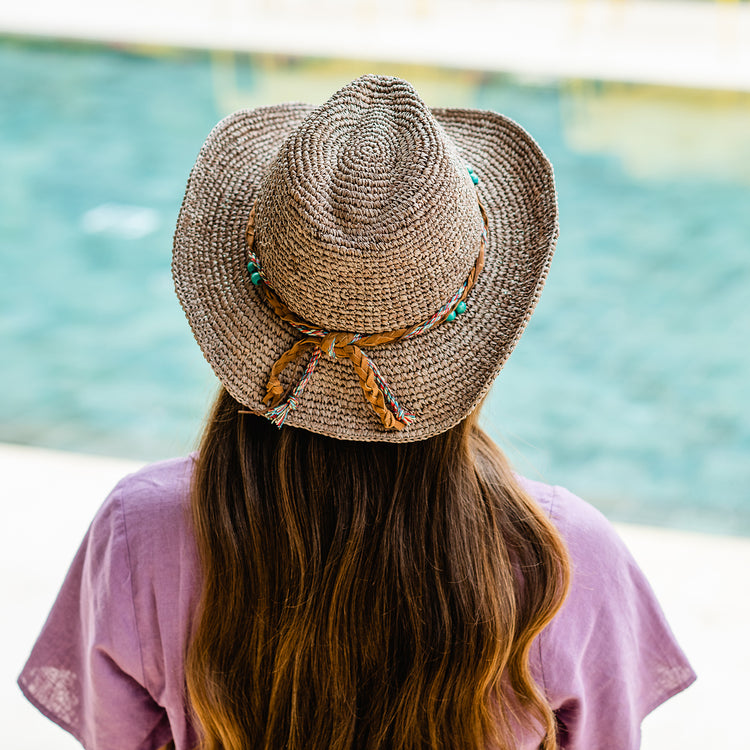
365	595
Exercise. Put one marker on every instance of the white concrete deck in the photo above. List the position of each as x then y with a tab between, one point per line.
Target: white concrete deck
50	497
673	42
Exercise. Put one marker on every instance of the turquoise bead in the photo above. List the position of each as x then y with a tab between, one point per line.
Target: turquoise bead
256	278
474	178
461	307
251	267
451	316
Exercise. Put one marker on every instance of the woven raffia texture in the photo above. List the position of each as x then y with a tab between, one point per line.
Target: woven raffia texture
366	220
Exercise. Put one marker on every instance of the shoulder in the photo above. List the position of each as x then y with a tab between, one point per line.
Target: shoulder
153	496
586	531
588	534
146	516
604	574
157	485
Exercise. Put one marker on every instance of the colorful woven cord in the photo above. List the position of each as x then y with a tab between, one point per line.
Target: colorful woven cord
342	345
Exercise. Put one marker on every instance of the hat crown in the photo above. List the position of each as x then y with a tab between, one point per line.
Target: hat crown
367	219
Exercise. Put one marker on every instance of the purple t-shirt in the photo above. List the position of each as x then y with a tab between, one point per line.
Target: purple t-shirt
108	664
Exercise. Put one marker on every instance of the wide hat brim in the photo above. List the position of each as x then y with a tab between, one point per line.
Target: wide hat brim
441	375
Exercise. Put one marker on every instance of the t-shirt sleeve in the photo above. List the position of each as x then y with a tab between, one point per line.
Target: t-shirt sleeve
609	657
85	671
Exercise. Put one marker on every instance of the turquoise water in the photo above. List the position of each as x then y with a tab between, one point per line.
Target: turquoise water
630	385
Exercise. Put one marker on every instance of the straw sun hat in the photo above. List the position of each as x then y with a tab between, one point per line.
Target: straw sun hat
363	269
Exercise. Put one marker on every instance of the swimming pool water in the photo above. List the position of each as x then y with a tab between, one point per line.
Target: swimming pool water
630	385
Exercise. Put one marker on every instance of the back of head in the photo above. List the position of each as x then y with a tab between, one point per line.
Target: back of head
364	594
357	274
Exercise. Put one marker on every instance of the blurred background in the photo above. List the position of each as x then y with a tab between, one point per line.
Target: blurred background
631	383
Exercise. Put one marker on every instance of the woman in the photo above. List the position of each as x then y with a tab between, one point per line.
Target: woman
348	561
